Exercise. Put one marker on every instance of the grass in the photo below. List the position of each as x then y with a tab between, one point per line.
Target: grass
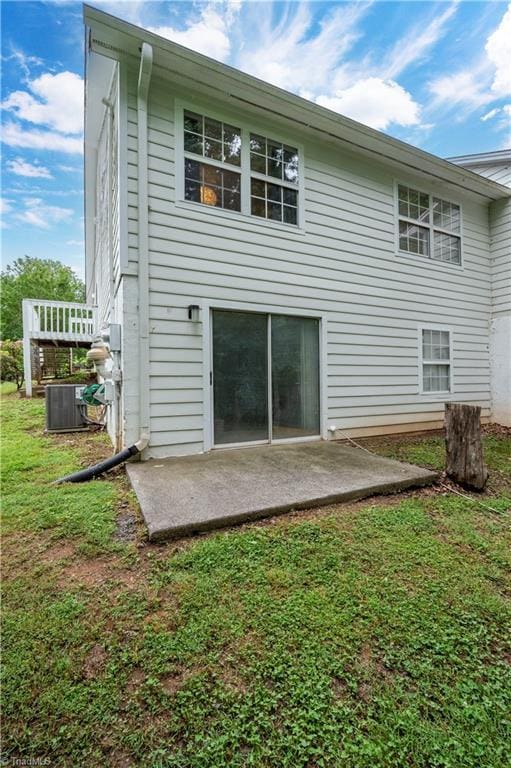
368	635
430	451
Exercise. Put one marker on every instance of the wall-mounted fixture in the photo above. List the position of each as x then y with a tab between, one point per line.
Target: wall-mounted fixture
193	313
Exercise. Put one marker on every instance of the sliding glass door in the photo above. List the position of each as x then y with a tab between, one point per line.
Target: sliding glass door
294	376
265	377
240	377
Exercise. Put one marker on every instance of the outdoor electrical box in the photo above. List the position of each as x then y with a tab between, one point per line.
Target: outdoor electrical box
65	409
112	335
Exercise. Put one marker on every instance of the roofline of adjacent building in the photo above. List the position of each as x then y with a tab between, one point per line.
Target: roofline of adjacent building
484	158
252	92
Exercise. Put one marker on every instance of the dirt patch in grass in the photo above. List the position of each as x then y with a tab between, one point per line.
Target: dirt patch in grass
233	680
119	759
339	688
173	682
92	447
21	554
135	680
95	662
63	550
95	571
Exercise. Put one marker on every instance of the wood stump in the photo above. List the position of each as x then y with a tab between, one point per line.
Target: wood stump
464	446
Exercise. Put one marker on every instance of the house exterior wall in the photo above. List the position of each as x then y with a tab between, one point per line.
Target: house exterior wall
500	328
341	266
103	278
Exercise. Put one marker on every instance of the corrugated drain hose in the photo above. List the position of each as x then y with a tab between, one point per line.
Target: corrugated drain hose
98	469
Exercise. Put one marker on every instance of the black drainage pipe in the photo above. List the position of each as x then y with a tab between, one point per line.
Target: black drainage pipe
98	469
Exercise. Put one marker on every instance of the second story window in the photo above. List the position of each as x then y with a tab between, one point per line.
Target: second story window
229	167
429	226
213	181
273	180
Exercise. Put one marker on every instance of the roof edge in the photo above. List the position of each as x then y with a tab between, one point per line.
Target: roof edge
483	158
443	169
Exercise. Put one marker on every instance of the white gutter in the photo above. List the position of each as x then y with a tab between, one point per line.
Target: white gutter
144	78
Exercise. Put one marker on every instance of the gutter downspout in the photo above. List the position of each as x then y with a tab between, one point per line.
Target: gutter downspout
144	78
109	110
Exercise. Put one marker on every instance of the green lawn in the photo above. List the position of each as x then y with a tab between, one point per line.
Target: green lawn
367	635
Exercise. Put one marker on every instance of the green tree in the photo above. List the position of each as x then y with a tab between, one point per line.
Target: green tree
32	278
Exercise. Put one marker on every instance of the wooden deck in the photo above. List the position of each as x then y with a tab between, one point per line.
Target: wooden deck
60	323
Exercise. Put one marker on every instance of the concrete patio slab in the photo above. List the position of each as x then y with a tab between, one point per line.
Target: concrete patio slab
196	493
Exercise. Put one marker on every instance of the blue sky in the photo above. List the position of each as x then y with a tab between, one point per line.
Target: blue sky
435	74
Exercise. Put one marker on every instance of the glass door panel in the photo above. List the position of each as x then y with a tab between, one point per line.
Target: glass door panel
240	377
294	376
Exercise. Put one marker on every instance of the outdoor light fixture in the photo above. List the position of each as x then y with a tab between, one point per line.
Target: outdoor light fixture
193	313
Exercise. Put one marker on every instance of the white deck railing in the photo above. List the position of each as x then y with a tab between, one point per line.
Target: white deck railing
58	320
54	321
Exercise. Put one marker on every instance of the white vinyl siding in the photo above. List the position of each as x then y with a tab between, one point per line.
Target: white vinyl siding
339	264
105	269
500	223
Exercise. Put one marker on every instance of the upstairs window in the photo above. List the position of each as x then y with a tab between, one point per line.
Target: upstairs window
229	167
213	181
436	360
429	226
273	180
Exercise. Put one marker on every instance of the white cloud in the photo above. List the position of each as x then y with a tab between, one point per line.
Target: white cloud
209	34
55	101
129	10
75	242
490	115
15	136
375	102
23	60
294	53
5	208
38	214
5	205
498	50
466	88
69	169
416	43
21	167
485	80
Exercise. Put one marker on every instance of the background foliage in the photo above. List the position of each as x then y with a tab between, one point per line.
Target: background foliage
32	278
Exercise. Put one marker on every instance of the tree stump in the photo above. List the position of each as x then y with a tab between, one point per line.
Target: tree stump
464	446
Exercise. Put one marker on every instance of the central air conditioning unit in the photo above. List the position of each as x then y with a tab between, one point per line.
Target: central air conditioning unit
65	409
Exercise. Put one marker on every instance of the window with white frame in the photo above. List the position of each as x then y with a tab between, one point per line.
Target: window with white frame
213	180
273	180
436	360
218	156
429	226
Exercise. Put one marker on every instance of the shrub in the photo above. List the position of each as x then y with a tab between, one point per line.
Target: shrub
11	361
